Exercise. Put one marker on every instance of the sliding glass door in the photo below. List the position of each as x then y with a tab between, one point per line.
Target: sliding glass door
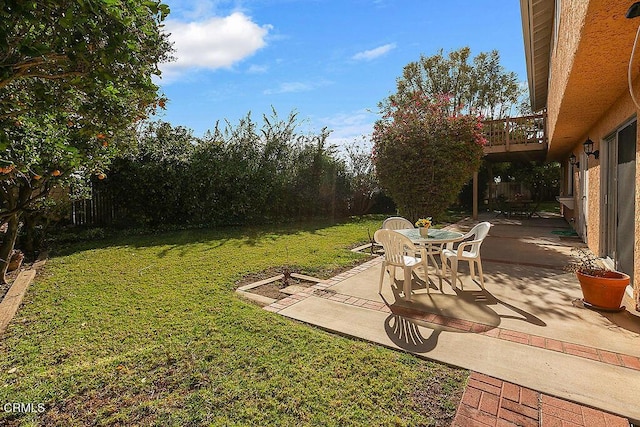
619	174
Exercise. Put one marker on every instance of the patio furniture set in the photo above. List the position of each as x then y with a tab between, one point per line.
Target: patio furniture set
406	247
518	207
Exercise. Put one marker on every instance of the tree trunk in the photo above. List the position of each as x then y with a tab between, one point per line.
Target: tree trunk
16	197
6	248
29	244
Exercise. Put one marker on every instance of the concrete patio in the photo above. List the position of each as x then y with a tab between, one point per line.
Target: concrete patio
527	327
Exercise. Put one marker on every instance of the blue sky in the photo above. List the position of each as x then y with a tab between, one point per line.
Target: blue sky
332	61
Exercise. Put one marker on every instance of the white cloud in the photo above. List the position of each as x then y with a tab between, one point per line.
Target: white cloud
377	52
258	69
294	87
350	127
289	87
217	42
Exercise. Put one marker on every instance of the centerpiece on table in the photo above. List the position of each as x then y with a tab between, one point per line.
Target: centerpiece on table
423	225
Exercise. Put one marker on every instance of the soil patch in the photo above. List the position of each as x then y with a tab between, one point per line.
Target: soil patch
274	289
358	244
440	397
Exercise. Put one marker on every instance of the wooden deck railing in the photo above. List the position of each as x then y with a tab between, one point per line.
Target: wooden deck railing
516	130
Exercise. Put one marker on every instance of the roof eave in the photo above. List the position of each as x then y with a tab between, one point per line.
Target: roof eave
537	28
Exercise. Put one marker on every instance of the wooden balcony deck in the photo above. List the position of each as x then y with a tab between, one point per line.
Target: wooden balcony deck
516	138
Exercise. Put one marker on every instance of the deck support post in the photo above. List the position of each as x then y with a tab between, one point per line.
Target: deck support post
475	195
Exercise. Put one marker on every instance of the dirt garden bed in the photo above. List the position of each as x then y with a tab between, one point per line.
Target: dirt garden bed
272	284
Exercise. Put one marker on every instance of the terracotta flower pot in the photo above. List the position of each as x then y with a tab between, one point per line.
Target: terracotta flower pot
603	292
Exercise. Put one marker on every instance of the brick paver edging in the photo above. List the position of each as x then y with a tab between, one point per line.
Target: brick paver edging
321	290
592	353
322	286
488	401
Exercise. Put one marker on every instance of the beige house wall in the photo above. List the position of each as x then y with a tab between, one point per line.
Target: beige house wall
618	114
582	91
588	68
562	57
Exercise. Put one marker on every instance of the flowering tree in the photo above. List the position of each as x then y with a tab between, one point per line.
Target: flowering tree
75	77
423	155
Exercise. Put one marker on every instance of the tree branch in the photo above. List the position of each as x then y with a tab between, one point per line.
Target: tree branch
22	205
14	113
37	67
44	59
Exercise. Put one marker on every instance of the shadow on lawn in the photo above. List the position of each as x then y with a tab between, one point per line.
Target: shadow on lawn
183	239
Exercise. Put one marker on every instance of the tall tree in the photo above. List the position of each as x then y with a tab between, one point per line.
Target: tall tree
424	155
479	85
75	77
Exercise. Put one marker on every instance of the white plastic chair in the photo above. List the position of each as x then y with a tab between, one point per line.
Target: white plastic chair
396	246
399	223
467	250
396	223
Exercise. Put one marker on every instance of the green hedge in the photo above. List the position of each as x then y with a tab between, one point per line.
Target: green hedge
236	175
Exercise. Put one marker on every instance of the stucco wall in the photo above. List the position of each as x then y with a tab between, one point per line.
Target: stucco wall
619	113
581	71
562	56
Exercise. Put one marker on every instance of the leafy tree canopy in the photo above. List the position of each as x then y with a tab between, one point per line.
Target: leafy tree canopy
249	173
86	47
75	77
478	85
542	179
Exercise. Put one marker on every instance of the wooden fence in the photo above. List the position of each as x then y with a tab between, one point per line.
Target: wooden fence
98	210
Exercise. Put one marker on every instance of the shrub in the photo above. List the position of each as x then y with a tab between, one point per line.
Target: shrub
424	156
233	175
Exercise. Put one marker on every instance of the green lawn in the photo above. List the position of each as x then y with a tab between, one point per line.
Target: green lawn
147	330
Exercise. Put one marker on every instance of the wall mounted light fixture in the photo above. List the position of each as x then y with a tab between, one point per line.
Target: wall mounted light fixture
588	149
573	161
634	10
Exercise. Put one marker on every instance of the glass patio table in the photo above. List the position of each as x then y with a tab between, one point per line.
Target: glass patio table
433	243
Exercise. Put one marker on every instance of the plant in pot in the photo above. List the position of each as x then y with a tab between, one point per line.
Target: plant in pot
602	289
